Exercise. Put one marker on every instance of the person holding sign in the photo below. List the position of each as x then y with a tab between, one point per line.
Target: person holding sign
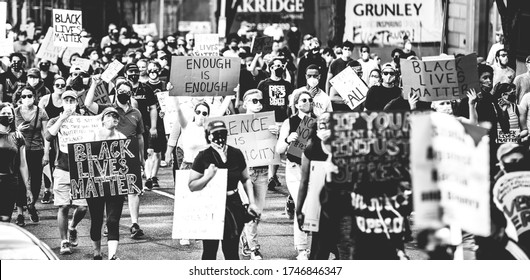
321	101
13	154
221	155
303	103
61	178
507	101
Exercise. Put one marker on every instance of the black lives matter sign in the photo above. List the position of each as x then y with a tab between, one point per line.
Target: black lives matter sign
104	168
370	147
67	27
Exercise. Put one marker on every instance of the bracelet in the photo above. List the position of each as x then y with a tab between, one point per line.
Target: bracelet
287	141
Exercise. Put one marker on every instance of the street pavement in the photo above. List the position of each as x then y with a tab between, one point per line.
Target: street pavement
156	220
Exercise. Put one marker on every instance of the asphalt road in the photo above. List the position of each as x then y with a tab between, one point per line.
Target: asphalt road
156	219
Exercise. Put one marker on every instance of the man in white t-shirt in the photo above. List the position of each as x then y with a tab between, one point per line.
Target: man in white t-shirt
367	64
321	101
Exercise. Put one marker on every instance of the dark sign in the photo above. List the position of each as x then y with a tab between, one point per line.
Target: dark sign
262	45
370	147
104	168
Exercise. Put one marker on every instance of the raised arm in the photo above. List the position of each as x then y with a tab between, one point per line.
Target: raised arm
89	99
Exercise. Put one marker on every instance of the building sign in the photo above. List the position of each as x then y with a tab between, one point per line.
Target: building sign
266	12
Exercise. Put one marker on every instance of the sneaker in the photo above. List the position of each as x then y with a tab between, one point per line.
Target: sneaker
66	248
114	258
245	249
105	231
33	214
72	237
302	255
20	221
256	255
149	184
47	197
136	232
98	257
273	183
155	182
163	163
289	207
184	242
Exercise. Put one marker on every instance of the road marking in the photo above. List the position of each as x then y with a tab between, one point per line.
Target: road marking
164	194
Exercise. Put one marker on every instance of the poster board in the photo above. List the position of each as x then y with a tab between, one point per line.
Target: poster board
48	50
167	105
82	63
67	27
77	129
145	29
200	214
206	45
311	208
511	195
350	87
104	168
262	45
112	71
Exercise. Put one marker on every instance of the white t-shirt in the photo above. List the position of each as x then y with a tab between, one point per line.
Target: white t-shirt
192	140
321	101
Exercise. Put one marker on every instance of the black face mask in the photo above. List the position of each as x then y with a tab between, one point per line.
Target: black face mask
134	78
278	72
172	44
520	165
234	48
17	65
123	98
44	67
6	120
219	138
511	98
77	83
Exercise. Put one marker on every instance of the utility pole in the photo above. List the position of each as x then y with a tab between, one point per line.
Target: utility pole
161	19
221	27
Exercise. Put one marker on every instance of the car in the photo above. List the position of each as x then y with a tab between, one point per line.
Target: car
17	243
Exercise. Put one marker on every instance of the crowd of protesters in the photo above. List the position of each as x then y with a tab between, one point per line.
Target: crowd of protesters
293	81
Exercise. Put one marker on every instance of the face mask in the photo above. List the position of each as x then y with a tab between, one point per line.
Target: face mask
305	107
5	120
17	65
33	82
44	67
219	139
123	98
234	48
77	83
172	44
312	82
110	124
28	101
278	72
153	75
520	165
69	107
255	108
389	79
511	98
323	134
134	78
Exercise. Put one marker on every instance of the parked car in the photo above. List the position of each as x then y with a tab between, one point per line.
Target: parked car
17	243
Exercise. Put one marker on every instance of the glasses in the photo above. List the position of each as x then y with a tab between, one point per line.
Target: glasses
152	71
304	100
199	112
59	85
388	73
346	49
114	115
256	100
121	91
26	96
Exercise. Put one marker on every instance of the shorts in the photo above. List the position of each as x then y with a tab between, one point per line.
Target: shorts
61	190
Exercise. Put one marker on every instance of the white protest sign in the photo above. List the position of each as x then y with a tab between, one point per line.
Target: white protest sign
3	19
350	87
450	166
167	105
511	137
206	45
82	63
112	71
250	134
77	129
6	46
200	214
145	29
311	208
47	50
67	27
511	194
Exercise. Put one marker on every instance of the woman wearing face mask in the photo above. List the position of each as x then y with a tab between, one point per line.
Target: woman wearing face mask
13	167
445	106
204	168
35	84
113	204
31	122
507	100
374	78
303	103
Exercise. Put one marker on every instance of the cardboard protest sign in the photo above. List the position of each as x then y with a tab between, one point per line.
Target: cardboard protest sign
511	195
145	29
250	134
262	45
77	129
82	63
311	208
167	105
200	214
350	87
48	50
206	45
112	71
450	166
297	147
511	137
204	75
67	27
6	46
440	78
372	147
101	95
104	168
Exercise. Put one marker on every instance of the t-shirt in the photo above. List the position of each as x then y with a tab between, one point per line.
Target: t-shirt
248	81
321	101
11	84
276	97
131	123
146	98
192	140
522	85
367	67
524	108
9	152
33	134
235	164
313	150
338	65
379	96
502	75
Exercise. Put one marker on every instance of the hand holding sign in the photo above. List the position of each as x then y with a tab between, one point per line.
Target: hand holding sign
209	173
292	137
274	129
413	100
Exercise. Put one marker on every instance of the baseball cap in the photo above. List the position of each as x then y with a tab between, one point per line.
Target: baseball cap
69	93
109	110
131	67
34	72
308	37
217	125
388	66
508	148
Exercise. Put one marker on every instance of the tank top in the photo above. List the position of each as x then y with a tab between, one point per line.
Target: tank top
51	110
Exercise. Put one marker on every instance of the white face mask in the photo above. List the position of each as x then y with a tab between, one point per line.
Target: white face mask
69	107
28	101
312	82
323	134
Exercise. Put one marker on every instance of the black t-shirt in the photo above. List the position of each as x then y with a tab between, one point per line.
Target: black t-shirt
11	84
338	65
158	87
275	97
248	81
313	150
379	96
235	164
146	98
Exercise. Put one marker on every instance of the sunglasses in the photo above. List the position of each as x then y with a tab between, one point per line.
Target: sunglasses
26	96
199	112
388	73
114	115
152	71
313	76
120	91
59	85
304	100
256	100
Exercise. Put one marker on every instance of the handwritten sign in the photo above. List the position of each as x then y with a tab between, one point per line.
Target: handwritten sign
104	168
304	132
206	45
311	208
3	19
101	95
47	49
511	195
145	29
200	214
67	27
112	71
82	63
350	87
77	129
370	148
204	75
440	78
167	105
262	45
450	164
511	137
250	134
